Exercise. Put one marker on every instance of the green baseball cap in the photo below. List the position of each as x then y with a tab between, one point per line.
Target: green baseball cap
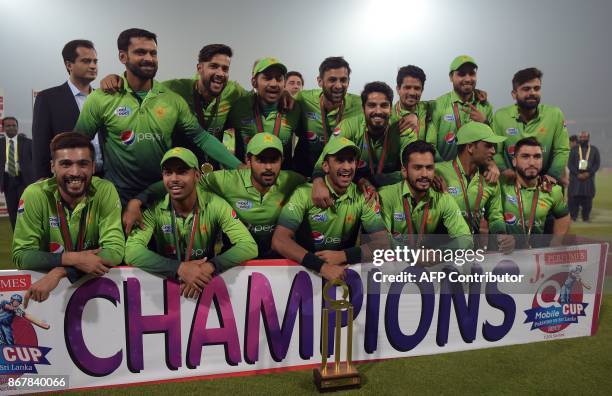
185	155
475	131
262	141
265	63
460	61
337	144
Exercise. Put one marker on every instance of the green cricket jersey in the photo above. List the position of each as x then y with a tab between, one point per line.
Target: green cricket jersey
552	202
443	214
214	215
258	212
137	134
423	112
313	135
486	195
38	243
243	119
548	127
334	228
369	163
449	114
211	117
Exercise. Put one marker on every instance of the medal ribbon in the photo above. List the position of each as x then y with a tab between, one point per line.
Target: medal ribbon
534	203
409	222
381	162
199	104
324	117
259	122
194	229
472	222
65	230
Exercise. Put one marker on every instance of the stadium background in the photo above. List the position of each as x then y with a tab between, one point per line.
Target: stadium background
566	39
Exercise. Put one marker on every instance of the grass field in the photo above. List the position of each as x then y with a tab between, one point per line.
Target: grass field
578	366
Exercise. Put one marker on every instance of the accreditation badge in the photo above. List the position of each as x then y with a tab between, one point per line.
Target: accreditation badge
583	165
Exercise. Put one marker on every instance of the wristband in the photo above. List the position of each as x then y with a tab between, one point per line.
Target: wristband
311	261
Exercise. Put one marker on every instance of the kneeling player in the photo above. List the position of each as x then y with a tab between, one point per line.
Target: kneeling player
184	226
327	236
70	224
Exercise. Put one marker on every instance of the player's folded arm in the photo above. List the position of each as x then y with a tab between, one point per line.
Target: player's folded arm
111	238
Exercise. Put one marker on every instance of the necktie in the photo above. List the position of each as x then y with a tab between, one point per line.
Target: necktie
12	165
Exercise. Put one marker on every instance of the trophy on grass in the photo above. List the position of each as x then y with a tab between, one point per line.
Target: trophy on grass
339	375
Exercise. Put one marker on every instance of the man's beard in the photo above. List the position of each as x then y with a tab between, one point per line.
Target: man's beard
413	184
140	73
330	96
523	104
522	173
378	130
64	185
260	178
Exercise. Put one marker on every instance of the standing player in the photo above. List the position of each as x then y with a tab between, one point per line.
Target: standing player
456	108
257	193
529	118
8	311
185	225
526	201
322	110
565	296
323	240
409	111
412	209
260	111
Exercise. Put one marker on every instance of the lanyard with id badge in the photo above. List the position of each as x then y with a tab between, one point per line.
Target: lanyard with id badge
583	164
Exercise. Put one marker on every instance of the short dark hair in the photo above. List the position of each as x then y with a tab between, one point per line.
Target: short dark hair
297	74
69	140
376	86
333	62
418	146
123	41
10	118
573	138
208	51
410	71
69	52
528	141
522	76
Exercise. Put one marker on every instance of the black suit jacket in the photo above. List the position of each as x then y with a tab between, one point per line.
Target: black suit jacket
55	111
24	150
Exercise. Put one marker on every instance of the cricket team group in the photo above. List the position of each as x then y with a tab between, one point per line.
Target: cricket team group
200	174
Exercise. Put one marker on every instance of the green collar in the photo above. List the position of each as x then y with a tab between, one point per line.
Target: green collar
455	98
406	192
349	194
156	88
517	116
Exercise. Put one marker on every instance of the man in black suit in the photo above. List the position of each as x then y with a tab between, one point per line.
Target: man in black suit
57	109
15	165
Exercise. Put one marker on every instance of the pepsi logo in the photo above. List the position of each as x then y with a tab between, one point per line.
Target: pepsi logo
234	215
318	238
56	248
312	136
511	150
361	164
127	137
450	138
377	208
510	218
170	250
21	206
337	131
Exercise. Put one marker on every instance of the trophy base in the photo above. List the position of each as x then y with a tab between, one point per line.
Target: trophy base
345	378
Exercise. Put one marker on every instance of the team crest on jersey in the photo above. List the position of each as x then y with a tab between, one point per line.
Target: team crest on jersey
21	207
453	190
511	199
160	112
449	117
166	228
512	131
558	302
244	204
127	137
311	115
319	217
53	222
56	248
399	216
123	111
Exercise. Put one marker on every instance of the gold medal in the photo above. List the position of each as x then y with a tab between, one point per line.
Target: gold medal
206	168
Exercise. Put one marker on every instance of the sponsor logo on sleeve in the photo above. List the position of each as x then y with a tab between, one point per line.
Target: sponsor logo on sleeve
21	207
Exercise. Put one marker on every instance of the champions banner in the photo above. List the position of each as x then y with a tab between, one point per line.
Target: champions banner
133	327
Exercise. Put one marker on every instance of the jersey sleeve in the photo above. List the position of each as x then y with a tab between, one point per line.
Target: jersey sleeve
243	246
371	219
494	212
138	254
111	240
560	149
499	158
90	118
213	182
454	222
431	136
293	212
28	237
559	207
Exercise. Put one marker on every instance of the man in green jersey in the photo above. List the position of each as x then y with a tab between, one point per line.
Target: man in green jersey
411	209
70	224
458	107
326	237
526	203
379	163
322	110
529	118
412	114
259	192
260	111
140	121
184	226
476	198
